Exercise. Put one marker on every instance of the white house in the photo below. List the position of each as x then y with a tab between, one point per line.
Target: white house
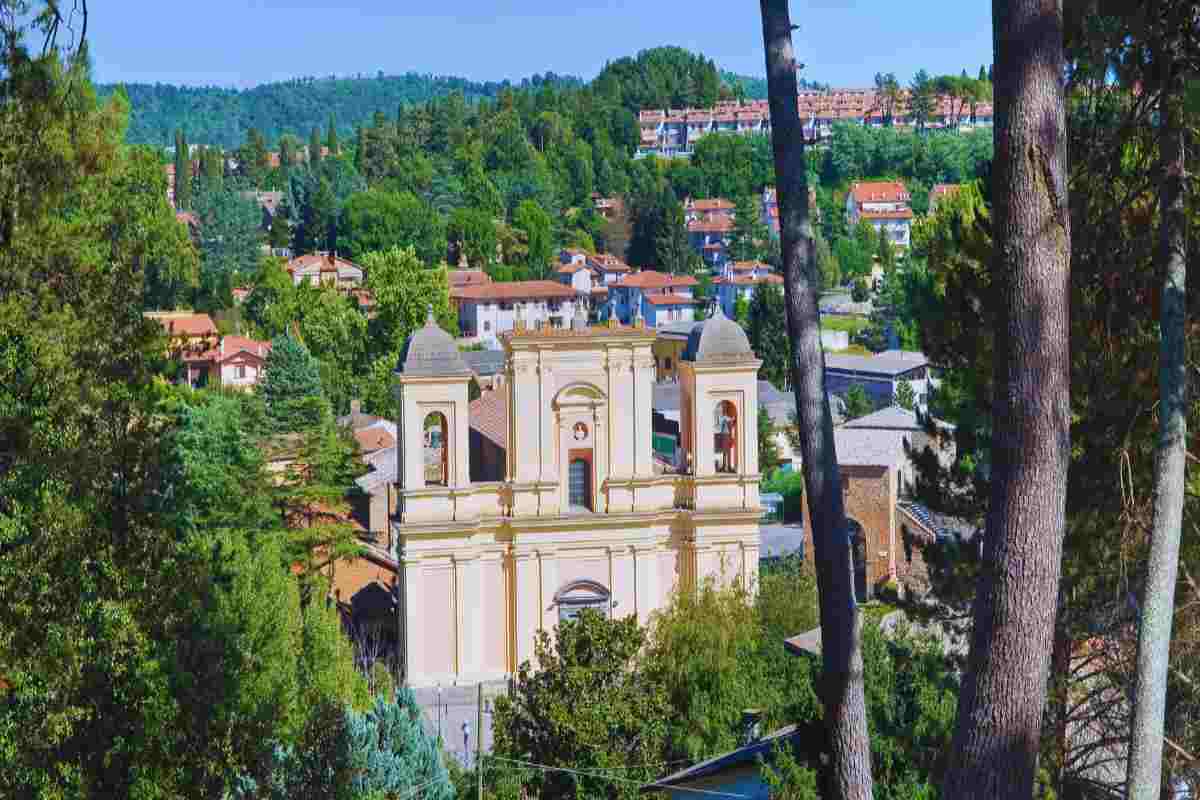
487	310
885	205
321	268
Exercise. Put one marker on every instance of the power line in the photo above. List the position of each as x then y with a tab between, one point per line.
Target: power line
548	768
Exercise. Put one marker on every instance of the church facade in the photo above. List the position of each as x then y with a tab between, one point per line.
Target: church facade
579	512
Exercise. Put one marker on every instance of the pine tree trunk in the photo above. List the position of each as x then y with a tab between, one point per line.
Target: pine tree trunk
1157	609
1004	691
841	690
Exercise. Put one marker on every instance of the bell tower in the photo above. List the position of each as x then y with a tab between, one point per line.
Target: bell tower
432	449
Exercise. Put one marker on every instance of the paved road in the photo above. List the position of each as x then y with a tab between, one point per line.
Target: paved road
776	539
459	703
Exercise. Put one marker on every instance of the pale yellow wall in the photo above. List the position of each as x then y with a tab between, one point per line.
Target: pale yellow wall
483	562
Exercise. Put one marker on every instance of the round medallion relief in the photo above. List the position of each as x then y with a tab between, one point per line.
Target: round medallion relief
581	431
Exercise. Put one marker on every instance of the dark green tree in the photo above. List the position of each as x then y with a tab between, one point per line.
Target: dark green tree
183	173
291	387
766	328
535	223
905	398
586	707
750	234
472	234
377	220
314	147
857	402
331	136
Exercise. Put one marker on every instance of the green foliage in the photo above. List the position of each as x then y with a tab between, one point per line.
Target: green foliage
472	233
377	220
404	291
535	224
391	754
229	241
768	452
857	402
709	651
766	328
860	292
750	234
661	77
587	707
786	778
905	397
291	387
789	483
853	260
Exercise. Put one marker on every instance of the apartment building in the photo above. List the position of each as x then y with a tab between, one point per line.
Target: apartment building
883	204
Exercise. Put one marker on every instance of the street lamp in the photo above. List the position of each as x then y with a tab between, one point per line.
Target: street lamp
439	707
466	729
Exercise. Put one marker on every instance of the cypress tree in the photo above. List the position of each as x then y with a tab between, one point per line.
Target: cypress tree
314	146
183	173
360	148
331	137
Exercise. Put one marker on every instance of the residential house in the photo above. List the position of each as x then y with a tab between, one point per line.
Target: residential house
572	510
880	375
488	309
941	191
883	204
325	268
188	335
740	282
709	226
656	297
459	278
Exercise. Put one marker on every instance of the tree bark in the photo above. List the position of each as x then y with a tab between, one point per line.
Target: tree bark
1157	609
1004	691
841	691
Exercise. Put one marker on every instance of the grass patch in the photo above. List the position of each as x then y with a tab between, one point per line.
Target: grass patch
876	610
849	324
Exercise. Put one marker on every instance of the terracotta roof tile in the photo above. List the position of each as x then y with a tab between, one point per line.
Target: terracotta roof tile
181	323
514	290
466	277
669	300
650	279
489	415
904	213
373	439
879	192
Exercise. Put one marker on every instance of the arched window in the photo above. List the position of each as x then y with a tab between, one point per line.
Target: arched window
435	450
578	595
725	438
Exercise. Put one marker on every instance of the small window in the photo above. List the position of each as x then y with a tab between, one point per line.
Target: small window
578	595
487	326
241	371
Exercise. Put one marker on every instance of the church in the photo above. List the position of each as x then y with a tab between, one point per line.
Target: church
545	496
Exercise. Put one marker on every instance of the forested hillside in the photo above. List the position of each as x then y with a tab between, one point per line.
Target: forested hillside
216	116
754	87
660	77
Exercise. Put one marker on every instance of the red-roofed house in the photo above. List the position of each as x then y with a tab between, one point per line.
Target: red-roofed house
885	205
659	297
236	362
486	310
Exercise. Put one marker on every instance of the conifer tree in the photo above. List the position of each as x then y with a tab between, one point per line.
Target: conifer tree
183	173
360	149
314	146
291	387
331	137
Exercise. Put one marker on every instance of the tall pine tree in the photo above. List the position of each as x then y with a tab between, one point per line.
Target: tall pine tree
291	387
183	173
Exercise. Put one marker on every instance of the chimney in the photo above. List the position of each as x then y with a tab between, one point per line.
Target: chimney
751	718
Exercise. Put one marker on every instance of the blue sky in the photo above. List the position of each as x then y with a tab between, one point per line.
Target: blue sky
246	42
